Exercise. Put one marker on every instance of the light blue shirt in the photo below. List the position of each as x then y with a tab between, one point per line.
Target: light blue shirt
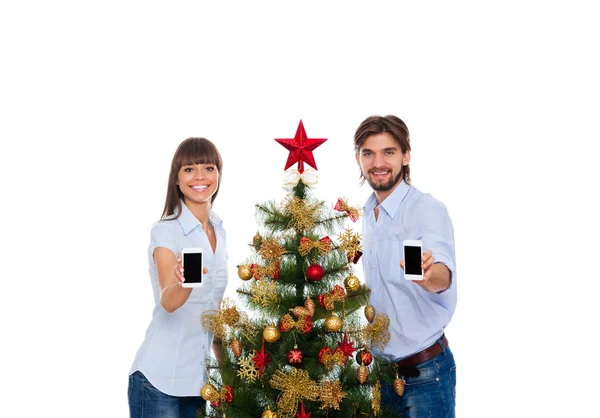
173	354
417	317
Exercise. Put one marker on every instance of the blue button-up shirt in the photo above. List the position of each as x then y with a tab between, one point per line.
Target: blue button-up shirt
176	346
417	317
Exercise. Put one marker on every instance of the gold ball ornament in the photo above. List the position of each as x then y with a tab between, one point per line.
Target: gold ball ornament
333	323
244	272
271	334
362	372
370	313
352	283
208	392
399	386
269	414
236	347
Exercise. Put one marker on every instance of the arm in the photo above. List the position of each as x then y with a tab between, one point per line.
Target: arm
172	295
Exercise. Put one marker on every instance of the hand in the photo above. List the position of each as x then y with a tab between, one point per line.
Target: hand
426	264
179	270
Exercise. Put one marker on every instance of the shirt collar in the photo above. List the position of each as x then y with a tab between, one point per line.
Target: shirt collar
391	203
188	221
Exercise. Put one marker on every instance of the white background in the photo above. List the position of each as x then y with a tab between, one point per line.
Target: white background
502	100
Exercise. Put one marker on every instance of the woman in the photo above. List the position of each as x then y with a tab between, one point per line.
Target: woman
168	371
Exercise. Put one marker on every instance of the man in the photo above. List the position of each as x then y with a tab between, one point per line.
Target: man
418	310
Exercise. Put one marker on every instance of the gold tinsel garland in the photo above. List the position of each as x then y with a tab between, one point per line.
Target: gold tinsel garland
294	386
227	319
376	398
303	215
264	292
350	243
271	250
248	370
377	334
331	394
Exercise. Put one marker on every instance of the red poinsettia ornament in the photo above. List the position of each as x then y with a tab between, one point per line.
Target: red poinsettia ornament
261	359
303	413
347	347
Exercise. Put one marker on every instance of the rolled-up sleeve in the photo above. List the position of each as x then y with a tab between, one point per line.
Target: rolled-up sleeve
438	235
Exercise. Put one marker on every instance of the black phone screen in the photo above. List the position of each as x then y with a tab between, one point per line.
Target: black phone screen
192	267
412	264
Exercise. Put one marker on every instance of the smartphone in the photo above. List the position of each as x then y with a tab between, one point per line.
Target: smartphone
413	252
192	266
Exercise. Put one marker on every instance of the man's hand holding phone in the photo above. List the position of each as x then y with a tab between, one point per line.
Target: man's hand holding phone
426	264
421	268
417	265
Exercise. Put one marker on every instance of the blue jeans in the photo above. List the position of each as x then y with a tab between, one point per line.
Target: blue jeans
431	395
145	401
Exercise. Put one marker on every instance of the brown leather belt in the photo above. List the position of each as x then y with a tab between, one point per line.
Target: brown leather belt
425	355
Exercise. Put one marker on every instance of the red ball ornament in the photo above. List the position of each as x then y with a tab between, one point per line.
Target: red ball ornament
321	299
324	350
295	356
364	357
315	272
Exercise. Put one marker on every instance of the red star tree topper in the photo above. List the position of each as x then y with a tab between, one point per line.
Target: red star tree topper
301	148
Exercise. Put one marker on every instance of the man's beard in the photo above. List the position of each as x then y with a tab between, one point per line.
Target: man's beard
384	187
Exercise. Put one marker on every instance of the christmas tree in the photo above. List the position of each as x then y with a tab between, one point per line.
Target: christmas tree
306	350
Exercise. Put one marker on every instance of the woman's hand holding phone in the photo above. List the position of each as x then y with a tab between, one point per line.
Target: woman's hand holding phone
179	270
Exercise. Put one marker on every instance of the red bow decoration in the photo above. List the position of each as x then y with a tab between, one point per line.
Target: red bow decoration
306	244
338	294
259	271
303	324
328	359
342	206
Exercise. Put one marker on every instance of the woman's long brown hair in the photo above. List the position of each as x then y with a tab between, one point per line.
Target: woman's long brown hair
190	151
